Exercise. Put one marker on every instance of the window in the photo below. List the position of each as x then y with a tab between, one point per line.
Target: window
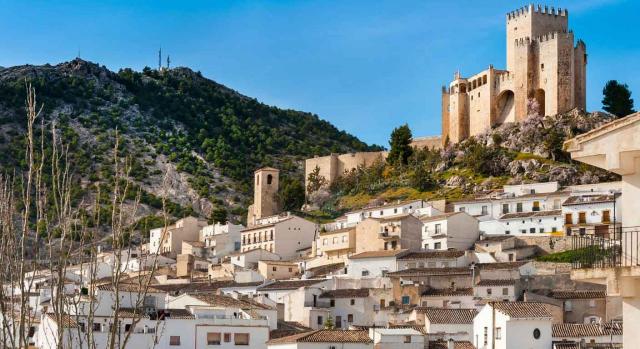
507	232
324	242
541	230
582	217
269	179
344	238
320	321
382	303
568	218
605	216
127	327
489	291
554	229
353	302
365	273
406	299
536	206
568	306
96	327
407	339
505	291
350	318
485	210
335	240
498	333
519	207
542	66
532	230
290	270
437	245
505	208
536	333
227	337
174	340
592	303
332	302
213	338
438	228
511	257
461	209
241	338
273	268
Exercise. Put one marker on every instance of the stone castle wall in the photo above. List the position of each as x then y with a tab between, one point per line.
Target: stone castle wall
334	165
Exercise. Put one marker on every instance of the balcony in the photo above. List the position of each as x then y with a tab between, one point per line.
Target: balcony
611	249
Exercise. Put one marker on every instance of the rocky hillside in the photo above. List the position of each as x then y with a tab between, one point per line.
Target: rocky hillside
530	151
207	138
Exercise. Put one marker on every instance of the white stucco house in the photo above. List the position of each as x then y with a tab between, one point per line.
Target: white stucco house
506	325
454	230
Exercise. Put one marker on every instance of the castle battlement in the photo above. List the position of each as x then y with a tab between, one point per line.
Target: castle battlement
545	37
545	10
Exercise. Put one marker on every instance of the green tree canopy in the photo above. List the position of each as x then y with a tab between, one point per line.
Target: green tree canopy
291	194
617	99
219	215
400	143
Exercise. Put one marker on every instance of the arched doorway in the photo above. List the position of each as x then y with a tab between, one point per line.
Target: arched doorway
505	108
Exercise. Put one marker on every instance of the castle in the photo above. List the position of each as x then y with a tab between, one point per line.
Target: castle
542	64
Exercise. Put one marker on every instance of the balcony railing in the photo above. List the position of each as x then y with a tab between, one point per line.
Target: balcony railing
612	248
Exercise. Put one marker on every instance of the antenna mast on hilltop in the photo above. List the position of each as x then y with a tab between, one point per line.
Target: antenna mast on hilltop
160	58
168	61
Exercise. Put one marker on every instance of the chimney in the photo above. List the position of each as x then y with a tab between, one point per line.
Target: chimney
451	344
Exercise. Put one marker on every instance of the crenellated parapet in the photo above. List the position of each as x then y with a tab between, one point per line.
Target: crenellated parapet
540	9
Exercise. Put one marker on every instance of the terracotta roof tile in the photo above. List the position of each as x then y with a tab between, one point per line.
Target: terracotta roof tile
581	294
501	265
431	255
229	302
289	284
522	310
346	293
448	316
438	292
498	282
431	272
325	336
532	214
377	254
585	330
588	199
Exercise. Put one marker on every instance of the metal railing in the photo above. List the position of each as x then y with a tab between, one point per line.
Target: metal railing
606	249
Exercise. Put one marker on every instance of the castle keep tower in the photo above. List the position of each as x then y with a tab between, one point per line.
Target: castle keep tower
542	64
265	203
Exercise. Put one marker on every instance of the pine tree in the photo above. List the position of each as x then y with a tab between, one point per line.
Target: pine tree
400	143
315	181
617	99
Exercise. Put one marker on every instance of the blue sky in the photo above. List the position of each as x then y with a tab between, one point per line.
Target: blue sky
366	66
